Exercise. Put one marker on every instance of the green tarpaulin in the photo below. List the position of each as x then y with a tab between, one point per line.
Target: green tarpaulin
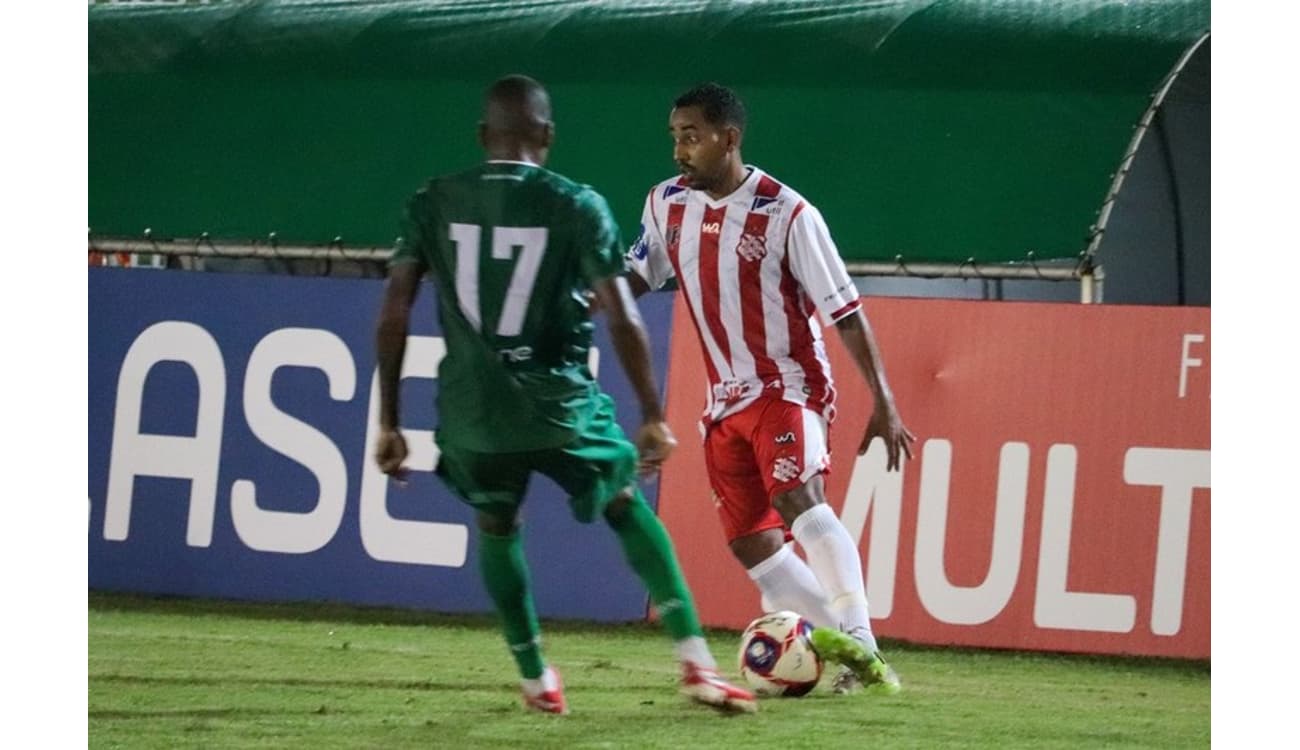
938	131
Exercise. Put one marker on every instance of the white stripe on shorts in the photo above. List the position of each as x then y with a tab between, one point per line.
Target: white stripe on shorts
816	455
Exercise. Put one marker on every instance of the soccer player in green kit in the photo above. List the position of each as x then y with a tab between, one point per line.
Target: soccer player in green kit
515	252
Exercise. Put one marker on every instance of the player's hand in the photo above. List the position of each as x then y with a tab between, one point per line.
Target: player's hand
887	425
390	454
654	442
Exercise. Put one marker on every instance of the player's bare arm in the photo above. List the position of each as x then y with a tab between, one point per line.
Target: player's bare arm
885	421
638	285
390	346
654	440
635	283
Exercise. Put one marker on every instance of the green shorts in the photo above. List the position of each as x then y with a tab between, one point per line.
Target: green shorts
598	464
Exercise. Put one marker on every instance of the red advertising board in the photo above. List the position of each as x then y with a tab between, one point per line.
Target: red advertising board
1059	494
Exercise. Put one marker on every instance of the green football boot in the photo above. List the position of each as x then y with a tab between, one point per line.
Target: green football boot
862	667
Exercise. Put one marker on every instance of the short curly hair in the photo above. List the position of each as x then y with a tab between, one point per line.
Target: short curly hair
719	104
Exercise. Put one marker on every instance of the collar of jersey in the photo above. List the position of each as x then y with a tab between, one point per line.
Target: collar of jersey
745	184
516	163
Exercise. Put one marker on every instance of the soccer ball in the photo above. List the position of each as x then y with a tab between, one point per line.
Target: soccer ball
777	657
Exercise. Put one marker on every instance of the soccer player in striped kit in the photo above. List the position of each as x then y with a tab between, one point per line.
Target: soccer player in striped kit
761	276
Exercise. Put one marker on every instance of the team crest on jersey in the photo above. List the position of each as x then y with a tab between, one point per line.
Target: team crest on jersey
752	247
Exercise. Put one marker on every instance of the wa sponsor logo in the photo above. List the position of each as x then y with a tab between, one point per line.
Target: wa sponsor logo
516	354
786	438
711	227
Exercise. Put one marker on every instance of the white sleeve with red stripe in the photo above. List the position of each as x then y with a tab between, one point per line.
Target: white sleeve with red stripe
648	256
816	264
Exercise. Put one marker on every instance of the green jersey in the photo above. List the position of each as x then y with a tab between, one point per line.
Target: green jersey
513	250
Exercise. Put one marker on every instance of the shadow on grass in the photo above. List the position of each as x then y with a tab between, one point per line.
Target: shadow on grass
188	713
103	601
334	612
193	680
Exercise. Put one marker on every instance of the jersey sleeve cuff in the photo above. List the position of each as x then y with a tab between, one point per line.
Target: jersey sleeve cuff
843	312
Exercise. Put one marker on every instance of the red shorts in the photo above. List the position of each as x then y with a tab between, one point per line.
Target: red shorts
769	447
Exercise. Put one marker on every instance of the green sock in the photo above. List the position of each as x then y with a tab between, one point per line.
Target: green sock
650	553
505	574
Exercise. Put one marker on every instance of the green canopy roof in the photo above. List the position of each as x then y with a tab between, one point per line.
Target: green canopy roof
938	131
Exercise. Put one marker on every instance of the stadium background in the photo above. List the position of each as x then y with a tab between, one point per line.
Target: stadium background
960	136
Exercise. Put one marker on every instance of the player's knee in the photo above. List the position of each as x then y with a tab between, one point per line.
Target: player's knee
618	508
753	549
497	525
792	503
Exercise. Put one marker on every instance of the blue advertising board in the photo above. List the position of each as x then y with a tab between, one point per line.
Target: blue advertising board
231	419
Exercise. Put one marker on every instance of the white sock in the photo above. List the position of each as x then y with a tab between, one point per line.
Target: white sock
539	685
788	583
834	559
695	650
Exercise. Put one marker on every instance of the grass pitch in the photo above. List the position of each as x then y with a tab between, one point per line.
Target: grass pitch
170	673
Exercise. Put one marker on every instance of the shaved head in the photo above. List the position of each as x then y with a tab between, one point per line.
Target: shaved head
516	112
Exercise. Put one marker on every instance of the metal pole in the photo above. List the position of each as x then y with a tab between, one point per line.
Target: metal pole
967	270
205	247
1117	181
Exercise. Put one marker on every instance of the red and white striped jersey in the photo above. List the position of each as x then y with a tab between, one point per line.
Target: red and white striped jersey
756	268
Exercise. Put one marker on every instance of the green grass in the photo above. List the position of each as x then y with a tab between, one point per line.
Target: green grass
171	673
